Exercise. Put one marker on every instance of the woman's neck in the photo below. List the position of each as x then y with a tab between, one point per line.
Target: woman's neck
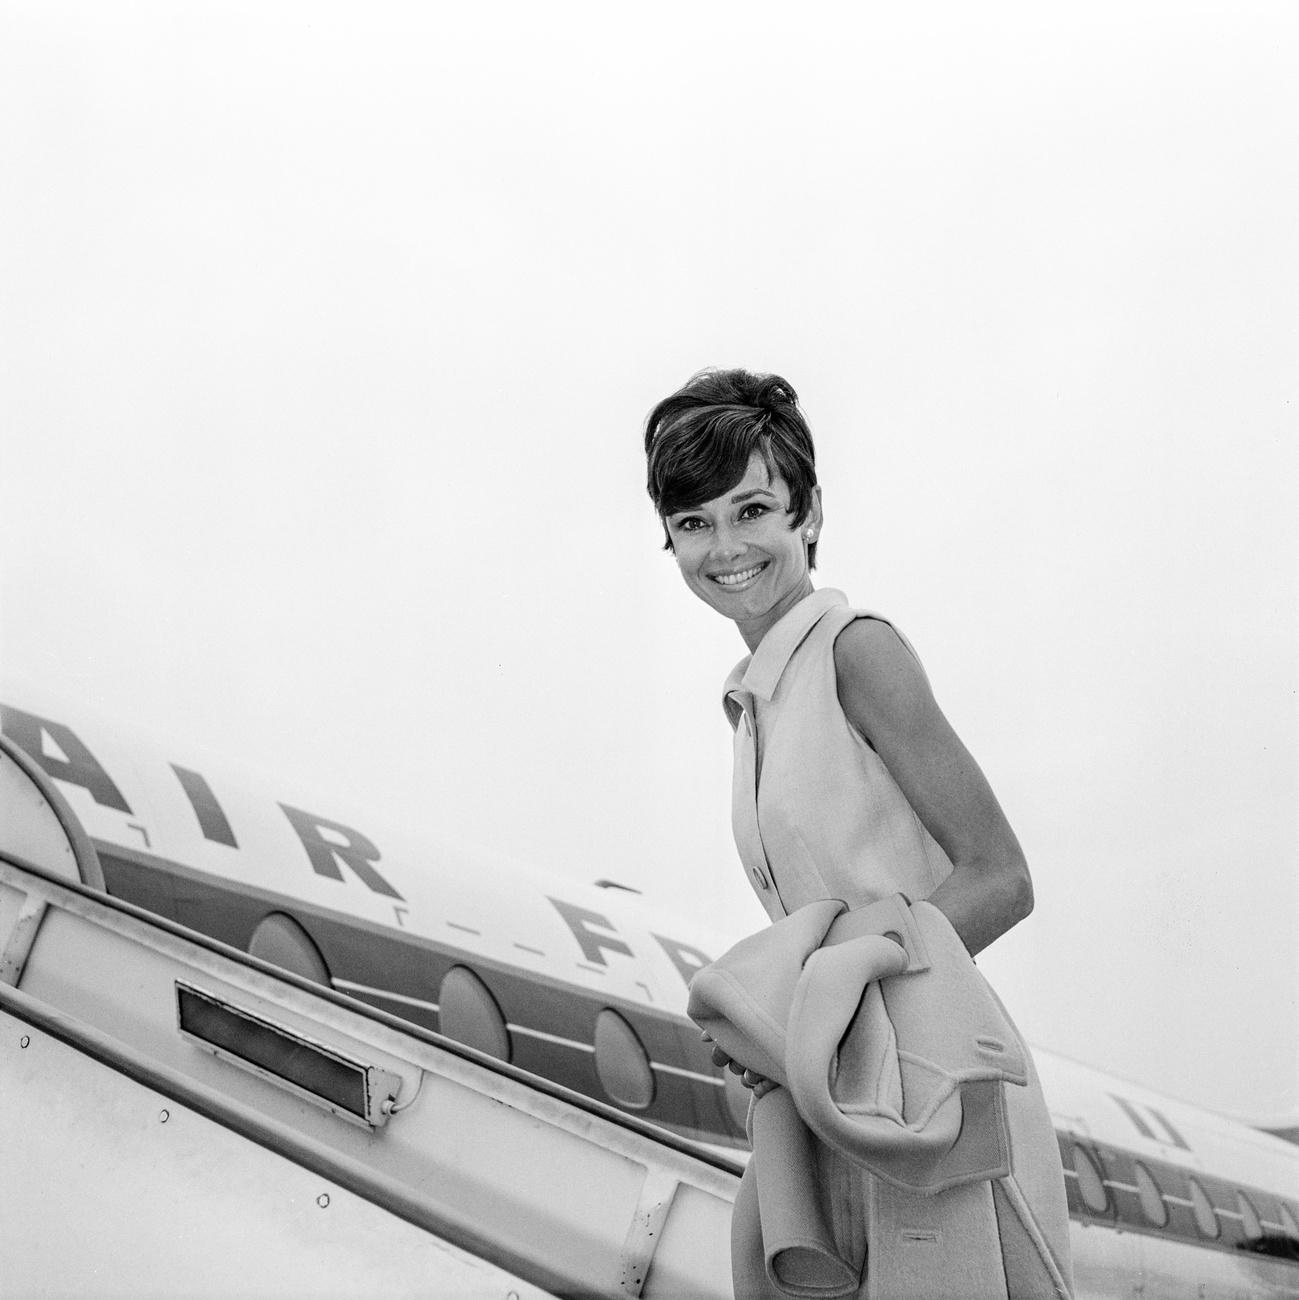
753	630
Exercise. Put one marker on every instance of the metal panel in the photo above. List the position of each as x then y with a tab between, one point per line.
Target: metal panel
160	1200
564	1194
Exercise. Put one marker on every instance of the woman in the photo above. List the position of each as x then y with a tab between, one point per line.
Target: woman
850	783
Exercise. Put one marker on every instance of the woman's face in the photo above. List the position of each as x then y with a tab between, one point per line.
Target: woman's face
739	554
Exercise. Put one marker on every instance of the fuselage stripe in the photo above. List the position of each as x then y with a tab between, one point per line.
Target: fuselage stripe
688	1074
228	913
550	1038
348	986
1173	1200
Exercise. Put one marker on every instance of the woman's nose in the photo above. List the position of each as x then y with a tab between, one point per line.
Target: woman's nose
726	544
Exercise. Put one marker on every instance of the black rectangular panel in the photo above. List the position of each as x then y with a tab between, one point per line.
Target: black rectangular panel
274	1050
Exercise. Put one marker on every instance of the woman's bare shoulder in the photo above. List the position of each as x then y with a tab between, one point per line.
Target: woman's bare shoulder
872	659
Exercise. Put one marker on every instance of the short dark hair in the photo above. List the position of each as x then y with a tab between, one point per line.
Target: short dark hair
699	441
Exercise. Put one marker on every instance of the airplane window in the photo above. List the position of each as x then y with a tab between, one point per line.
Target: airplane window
282	941
1250	1222
1090	1183
1202	1207
1152	1202
1289	1224
469	1014
621	1062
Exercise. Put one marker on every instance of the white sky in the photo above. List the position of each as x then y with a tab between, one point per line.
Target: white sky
329	331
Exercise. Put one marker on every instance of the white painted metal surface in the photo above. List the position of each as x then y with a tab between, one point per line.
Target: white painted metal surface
112	1188
480	1184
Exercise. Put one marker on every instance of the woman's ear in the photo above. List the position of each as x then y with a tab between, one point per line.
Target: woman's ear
816	515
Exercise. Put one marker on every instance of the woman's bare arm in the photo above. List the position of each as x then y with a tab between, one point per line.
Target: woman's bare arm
886	697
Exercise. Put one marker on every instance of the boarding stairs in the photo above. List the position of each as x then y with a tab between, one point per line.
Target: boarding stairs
180	1118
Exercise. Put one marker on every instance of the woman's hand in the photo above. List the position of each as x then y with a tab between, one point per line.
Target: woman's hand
749	1078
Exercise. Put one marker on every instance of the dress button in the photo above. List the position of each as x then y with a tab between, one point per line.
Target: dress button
760	878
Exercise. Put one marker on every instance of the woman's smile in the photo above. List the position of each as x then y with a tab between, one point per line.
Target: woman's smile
739	577
743	553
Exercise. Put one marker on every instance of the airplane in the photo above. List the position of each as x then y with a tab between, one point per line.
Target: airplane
585	985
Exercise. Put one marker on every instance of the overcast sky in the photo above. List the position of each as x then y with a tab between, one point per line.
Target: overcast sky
328	336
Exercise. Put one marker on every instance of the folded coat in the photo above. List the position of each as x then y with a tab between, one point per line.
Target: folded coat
891	1049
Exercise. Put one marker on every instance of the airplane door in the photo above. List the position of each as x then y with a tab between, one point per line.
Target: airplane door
37	825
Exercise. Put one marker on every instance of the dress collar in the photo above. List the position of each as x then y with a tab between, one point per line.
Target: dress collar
760	672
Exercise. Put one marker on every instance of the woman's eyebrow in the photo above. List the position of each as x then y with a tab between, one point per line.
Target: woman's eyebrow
735	501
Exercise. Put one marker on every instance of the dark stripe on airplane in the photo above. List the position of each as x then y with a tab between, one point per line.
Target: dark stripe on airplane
381	957
1123	1209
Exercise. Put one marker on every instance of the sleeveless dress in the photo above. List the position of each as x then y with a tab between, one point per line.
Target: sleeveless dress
816	815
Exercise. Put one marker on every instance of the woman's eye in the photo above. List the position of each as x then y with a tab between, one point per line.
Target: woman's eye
690	525
753	510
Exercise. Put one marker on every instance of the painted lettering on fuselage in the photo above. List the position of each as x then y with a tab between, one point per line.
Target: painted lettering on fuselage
73	762
353	849
212	820
685	957
586	927
332	849
596	935
329	845
1142	1125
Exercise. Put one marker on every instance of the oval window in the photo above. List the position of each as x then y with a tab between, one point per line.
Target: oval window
1202	1208
1090	1183
1152	1201
622	1062
468	1013
1250	1223
282	941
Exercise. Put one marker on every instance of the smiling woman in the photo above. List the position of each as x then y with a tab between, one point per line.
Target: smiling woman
733	474
742	554
851	785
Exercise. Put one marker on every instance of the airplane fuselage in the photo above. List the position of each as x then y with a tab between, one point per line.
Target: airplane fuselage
586	986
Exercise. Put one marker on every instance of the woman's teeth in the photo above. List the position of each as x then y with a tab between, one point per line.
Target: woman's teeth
734	579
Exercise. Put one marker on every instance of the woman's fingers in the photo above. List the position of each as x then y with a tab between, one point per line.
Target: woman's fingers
749	1078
